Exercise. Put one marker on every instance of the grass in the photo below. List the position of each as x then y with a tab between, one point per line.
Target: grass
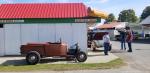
61	67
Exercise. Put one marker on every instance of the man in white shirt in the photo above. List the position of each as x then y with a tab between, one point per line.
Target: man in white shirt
106	40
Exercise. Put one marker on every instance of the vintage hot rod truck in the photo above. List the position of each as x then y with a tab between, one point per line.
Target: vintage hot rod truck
34	52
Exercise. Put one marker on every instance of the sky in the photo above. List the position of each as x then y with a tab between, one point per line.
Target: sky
108	6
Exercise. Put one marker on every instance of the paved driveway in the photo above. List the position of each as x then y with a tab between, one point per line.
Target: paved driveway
139	60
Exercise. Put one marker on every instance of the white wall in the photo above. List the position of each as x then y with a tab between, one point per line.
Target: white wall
47	32
29	33
70	33
64	31
2	50
12	39
80	35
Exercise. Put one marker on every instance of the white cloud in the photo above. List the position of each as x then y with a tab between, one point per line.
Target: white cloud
96	1
103	1
63	1
7	1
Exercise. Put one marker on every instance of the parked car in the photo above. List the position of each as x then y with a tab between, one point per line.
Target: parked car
34	52
96	40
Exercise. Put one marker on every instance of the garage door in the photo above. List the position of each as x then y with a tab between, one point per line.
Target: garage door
2	42
12	39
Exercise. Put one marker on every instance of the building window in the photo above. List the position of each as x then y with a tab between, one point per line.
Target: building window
1	25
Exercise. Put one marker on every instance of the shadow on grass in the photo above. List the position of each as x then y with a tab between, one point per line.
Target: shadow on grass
22	62
54	60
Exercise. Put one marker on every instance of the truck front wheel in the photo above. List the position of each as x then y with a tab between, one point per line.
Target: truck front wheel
33	58
81	57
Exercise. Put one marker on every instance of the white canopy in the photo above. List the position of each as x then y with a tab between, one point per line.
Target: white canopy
122	25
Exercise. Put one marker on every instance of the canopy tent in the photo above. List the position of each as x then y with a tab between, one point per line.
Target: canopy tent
97	13
112	25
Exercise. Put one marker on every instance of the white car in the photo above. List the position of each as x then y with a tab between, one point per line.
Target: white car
97	40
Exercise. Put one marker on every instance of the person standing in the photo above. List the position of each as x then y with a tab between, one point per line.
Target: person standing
129	38
106	40
123	39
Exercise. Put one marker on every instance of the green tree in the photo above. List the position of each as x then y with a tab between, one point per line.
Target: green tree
127	16
145	13
110	18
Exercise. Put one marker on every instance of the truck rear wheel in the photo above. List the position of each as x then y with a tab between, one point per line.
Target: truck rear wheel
81	57
33	58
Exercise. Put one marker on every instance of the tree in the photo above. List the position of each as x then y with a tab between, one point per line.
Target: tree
110	18
145	13
127	16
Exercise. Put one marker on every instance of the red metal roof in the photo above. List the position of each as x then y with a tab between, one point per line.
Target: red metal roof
43	10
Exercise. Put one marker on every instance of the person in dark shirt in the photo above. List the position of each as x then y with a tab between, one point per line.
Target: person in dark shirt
129	38
123	39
